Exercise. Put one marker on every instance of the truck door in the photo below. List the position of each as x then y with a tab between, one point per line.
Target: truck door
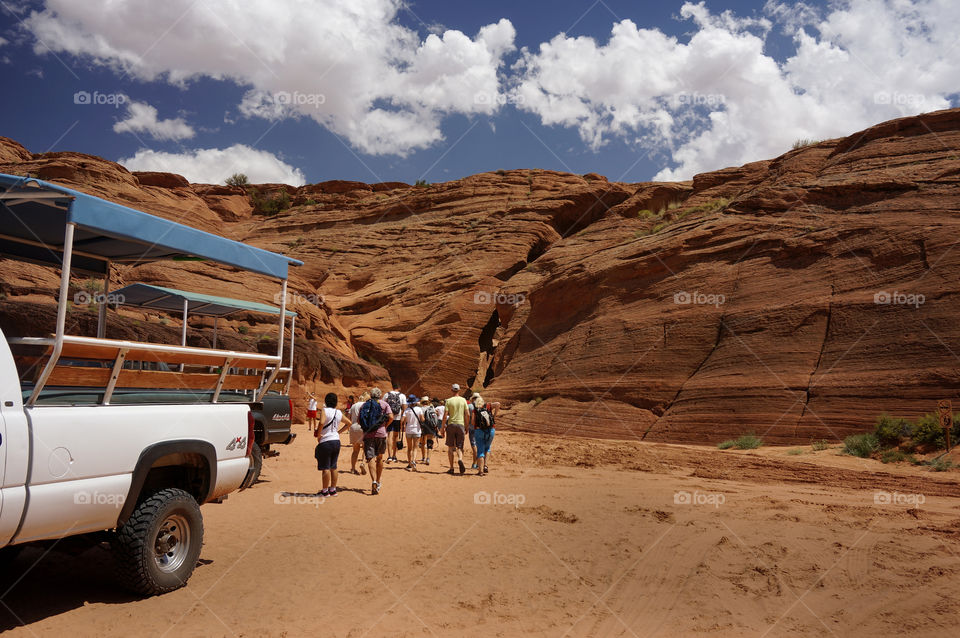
14	447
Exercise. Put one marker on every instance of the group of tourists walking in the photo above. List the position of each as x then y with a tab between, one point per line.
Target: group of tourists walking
382	426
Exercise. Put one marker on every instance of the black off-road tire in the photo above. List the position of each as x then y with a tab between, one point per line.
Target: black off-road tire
147	563
256	465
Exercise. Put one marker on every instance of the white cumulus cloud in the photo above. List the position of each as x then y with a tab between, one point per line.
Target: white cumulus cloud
142	118
348	65
718	98
214	165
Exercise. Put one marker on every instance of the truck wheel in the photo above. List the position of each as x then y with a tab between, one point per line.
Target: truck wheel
157	548
256	464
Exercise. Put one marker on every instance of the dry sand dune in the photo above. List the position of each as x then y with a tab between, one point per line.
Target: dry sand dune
589	538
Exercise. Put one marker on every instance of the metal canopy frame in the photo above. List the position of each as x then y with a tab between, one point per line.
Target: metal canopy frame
115	230
226	306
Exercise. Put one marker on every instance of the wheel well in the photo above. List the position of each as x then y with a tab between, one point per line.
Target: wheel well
190	465
188	471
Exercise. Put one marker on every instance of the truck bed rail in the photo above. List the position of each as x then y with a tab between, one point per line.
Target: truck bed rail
108	364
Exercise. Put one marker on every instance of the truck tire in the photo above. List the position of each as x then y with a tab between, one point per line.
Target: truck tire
157	549
256	464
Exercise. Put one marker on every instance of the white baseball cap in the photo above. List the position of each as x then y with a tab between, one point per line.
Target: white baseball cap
456	386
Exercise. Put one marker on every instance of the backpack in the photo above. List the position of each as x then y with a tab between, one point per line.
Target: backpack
371	416
484	418
393	400
431	420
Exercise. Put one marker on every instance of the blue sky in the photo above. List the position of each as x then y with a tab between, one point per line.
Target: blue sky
631	90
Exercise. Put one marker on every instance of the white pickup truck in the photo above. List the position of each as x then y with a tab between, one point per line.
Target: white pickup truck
96	435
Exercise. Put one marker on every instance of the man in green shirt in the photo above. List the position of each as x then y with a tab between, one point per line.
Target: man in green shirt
453	427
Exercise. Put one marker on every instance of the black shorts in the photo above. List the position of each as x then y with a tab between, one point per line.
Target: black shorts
394	427
327	454
374	447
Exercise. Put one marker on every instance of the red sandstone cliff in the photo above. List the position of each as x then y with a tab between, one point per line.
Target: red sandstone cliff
742	300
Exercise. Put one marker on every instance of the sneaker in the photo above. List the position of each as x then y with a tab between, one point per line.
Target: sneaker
375	488
486	469
324	493
463	468
450	471
332	492
410	466
426	461
473	467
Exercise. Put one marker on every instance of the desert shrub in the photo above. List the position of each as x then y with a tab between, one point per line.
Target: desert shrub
237	179
893	455
422	183
796	451
645	213
940	464
803	142
264	205
742	442
820	445
243	329
862	445
890	430
927	431
710	207
748	442
501	172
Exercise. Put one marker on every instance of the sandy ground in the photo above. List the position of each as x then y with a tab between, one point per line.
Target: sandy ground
583	538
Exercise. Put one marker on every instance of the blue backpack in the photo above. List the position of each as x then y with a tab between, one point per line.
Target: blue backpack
371	416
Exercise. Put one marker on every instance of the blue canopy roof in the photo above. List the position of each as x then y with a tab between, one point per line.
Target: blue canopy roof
34	213
171	300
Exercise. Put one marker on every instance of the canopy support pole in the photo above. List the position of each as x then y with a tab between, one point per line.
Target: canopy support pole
183	334
102	316
215	332
283	319
61	314
293	325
